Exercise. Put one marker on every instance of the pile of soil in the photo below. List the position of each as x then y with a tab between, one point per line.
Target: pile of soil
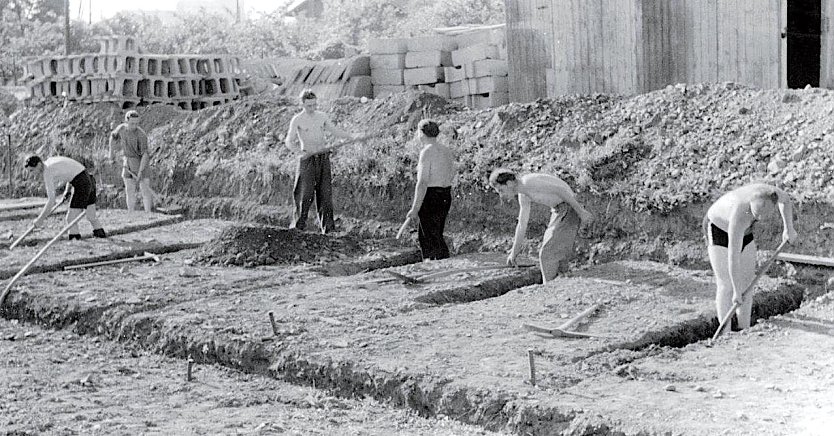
252	245
654	152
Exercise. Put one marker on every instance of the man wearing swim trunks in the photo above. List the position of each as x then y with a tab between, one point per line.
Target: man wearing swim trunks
135	162
550	191
433	192
57	172
728	228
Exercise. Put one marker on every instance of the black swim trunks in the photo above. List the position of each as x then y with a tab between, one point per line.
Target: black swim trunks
83	191
720	238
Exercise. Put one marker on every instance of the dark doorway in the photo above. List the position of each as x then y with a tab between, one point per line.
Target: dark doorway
804	43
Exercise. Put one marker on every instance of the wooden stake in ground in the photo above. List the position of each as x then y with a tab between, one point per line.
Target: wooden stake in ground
531	359
37	256
765	267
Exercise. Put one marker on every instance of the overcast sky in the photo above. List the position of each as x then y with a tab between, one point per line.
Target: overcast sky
79	9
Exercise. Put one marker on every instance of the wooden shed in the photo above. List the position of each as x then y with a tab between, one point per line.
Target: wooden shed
558	47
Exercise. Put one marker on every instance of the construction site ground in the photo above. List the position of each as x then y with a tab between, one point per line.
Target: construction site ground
396	347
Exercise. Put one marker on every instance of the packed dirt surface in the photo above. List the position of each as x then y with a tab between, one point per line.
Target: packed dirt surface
56	382
357	316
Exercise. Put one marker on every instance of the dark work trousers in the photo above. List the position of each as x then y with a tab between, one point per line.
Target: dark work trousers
313	180
432	215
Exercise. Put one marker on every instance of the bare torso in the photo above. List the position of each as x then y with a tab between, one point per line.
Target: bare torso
439	165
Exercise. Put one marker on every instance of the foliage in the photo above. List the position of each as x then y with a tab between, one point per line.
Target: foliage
35	28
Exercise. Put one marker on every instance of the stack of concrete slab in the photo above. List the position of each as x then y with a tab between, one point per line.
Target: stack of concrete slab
465	64
121	73
329	79
478	75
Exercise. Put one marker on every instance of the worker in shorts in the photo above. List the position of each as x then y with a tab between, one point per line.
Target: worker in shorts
728	229
135	161
57	172
433	192
550	191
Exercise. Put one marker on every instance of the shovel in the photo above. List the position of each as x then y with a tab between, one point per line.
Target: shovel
729	315
32	227
146	256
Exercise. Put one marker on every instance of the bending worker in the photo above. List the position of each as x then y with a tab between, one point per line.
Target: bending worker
728	227
313	175
433	192
135	167
57	172
550	191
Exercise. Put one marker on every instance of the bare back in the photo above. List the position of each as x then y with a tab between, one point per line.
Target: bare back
545	189
437	165
737	203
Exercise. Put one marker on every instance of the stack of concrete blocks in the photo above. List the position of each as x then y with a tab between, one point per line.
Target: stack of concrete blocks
468	66
121	73
328	79
478	77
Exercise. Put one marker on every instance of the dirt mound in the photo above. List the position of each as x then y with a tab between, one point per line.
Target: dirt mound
252	245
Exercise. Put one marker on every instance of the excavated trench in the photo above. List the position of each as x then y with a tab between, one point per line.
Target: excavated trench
428	395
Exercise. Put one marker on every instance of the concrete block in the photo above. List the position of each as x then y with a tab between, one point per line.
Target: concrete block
358	66
358	86
431	58
454	74
489	84
387	45
420	76
474	53
486	67
459	89
386	77
490	36
384	90
388	61
441	89
491	100
432	43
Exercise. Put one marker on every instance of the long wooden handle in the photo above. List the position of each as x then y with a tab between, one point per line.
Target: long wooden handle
403	227
726	319
32	227
37	256
110	262
567	325
339	145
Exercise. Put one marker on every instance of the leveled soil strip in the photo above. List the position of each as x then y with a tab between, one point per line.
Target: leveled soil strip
164	239
776	378
114	222
56	382
7	204
25	215
468	361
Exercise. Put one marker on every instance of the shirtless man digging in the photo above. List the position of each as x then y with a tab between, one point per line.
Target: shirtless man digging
313	175
433	192
550	191
728	228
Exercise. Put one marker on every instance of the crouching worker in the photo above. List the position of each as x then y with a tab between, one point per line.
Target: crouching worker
57	172
728	228
433	192
550	191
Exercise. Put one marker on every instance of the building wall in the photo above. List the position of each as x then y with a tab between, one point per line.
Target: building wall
558	47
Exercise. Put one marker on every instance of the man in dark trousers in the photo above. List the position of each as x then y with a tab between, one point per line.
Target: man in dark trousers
57	172
313	175
433	192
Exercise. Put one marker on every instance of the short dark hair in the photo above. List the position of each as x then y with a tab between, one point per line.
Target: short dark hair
307	94
429	128
501	176
32	161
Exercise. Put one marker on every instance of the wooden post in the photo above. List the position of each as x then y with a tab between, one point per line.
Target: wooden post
11	162
531	359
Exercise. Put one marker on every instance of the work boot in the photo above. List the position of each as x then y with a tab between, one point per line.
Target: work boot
99	233
74	236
